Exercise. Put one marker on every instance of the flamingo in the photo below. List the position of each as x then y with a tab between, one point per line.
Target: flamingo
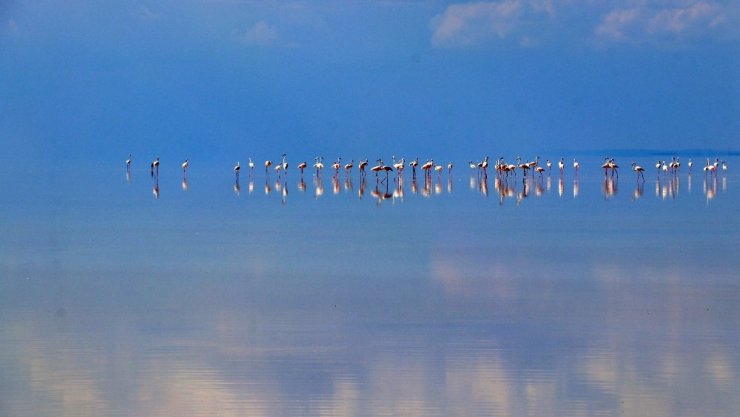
185	166
561	166
377	168
548	164
576	165
524	167
724	167
449	168
539	170
251	166
398	166
413	165
362	166
237	168
128	163
302	166
639	170
484	166
473	166
268	164
658	165
614	167
285	164
427	167
387	170
690	164
155	166
348	167
439	169
318	165
336	165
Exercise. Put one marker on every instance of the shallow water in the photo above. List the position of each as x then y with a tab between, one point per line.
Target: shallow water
120	295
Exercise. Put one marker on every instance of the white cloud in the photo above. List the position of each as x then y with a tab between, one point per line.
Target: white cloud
472	23
648	21
261	33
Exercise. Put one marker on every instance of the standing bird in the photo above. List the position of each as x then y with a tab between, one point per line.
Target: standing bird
484	166
362	166
237	168
377	168
128	163
605	165
155	167
413	165
251	166
561	166
639	170
548	164
318	165
302	166
576	165
336	165
449	168
185	167
268	163
724	167
614	167
439	169
658	165
285	164
427	167
348	167
399	165
691	165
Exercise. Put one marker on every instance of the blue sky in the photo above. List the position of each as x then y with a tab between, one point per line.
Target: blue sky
220	80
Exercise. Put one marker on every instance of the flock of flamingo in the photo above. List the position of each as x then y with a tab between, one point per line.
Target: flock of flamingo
479	170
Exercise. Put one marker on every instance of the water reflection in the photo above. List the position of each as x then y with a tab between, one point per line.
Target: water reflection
506	183
609	187
155	187
639	190
237	189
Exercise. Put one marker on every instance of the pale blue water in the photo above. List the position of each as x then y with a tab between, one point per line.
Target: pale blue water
567	298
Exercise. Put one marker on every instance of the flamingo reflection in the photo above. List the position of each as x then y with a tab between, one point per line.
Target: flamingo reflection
155	189
639	190
318	186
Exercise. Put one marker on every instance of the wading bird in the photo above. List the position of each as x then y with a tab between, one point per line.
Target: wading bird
128	163
155	167
362	166
639	170
185	166
413	165
319	165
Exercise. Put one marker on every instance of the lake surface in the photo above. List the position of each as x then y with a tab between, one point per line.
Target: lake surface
125	296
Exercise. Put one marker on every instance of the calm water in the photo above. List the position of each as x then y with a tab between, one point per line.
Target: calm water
330	298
